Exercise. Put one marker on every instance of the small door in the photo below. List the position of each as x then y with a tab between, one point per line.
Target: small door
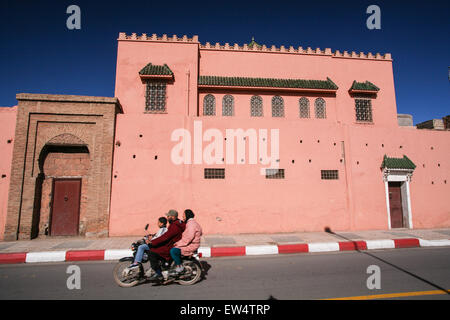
395	204
65	207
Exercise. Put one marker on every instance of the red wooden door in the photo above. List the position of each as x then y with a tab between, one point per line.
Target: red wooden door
65	207
395	204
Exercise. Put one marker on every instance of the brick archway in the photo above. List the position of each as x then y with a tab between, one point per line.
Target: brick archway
63	157
61	124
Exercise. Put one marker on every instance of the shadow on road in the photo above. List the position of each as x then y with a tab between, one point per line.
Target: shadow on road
328	230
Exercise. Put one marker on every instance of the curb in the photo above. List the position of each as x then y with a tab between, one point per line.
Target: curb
207	252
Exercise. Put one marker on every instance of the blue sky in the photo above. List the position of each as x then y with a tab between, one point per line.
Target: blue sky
40	55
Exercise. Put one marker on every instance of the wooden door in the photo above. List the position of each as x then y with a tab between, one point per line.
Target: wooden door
395	204
65	207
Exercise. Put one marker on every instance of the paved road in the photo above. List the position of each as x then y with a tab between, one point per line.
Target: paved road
296	276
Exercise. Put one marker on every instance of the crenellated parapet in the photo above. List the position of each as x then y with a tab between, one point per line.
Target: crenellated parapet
155	37
297	50
254	47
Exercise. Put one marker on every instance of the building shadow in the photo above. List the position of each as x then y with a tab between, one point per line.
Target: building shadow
328	230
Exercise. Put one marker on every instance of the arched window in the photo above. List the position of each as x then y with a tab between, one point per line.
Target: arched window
320	108
209	105
228	105
256	106
304	107
277	106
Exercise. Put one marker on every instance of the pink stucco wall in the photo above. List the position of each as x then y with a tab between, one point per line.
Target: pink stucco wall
7	128
147	183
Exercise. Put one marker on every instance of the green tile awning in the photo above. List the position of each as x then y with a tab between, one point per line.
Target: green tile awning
364	86
152	70
398	163
218	81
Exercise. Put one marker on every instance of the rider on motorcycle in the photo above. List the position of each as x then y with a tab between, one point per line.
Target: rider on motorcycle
189	243
162	223
160	247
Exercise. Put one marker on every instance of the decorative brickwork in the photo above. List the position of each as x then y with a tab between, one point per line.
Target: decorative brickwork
61	136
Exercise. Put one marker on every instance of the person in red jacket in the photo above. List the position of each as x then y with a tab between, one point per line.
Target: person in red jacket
160	247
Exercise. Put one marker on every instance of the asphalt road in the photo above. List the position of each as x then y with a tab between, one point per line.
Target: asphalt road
292	276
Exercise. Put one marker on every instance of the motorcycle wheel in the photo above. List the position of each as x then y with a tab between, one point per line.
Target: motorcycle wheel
192	274
123	280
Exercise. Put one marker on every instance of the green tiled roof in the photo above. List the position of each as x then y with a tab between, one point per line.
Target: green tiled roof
267	82
366	86
151	69
397	163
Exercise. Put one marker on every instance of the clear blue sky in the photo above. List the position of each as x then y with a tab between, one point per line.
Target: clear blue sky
40	55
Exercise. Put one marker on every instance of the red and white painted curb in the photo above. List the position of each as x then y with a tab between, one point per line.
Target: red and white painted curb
206	252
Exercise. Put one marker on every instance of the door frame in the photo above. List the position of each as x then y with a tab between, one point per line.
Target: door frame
52	202
403	176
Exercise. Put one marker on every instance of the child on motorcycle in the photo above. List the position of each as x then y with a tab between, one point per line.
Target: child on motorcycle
162	223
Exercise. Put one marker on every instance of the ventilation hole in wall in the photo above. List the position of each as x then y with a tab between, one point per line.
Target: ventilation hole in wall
367	144
439	164
242	160
382	145
3	175
334	143
423	165
293	161
140	136
309	160
432	182
244	138
432	148
301	141
115	176
357	162
225	138
156	157
118	143
9	141
401	147
278	160
134	156
318	141
445	181
341	160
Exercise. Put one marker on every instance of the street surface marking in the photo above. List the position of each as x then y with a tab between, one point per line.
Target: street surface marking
393	295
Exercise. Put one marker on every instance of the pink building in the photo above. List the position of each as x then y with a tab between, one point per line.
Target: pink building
253	139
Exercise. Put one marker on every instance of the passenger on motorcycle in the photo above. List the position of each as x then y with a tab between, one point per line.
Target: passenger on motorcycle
160	247
162	223
189	243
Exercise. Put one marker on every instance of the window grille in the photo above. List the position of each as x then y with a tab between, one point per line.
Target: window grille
209	105
228	105
330	174
274	173
363	110
256	106
320	108
214	173
277	107
155	97
304	107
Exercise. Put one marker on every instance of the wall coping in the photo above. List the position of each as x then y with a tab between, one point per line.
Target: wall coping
68	98
254	48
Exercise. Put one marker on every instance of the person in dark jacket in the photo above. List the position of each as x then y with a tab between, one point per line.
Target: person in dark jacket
160	247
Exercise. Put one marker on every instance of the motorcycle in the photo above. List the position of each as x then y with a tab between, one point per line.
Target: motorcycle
127	278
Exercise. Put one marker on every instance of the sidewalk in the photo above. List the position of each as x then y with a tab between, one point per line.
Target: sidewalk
79	249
